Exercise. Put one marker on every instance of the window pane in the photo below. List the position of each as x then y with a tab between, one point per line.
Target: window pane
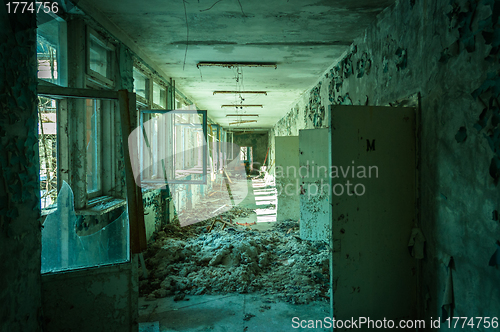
93	108
159	94
98	57
178	104
140	83
49	52
243	153
66	245
150	145
47	149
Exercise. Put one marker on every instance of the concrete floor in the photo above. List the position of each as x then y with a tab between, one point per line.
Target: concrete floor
260	196
229	313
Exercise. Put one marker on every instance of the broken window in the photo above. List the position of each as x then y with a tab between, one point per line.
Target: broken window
47	149
65	247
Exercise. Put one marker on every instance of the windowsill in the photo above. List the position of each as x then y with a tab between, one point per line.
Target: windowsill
101	205
98	81
97	206
84	271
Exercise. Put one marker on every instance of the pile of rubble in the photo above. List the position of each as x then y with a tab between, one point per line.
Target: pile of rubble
229	258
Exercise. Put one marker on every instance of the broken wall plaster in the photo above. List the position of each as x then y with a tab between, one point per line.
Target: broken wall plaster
437	63
20	213
155	201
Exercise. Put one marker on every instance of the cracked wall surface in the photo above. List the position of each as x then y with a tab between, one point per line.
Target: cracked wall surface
20	234
448	52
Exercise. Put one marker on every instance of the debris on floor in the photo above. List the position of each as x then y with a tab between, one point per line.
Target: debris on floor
191	260
248	317
264	308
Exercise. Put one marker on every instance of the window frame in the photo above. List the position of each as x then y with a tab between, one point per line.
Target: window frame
57	158
94	193
165	98
62	51
146	101
93	77
204	127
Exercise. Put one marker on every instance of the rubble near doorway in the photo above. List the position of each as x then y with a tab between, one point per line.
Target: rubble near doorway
234	253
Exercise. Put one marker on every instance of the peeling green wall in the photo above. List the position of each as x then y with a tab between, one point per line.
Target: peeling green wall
20	236
446	50
154	211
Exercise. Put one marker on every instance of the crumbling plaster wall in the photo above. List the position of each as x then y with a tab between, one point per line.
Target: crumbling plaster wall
446	50
20	235
154	211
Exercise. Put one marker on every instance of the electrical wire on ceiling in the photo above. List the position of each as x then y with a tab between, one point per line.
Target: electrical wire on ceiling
212	6
241	7
187	34
187	26
238	98
239	101
204	10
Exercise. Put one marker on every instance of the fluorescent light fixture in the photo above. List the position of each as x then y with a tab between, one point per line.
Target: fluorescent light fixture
237	64
241	92
244	121
241	106
242	115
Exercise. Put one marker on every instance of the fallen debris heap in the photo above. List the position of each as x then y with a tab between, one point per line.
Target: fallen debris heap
231	258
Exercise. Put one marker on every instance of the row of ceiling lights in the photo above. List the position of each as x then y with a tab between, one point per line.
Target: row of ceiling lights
239	92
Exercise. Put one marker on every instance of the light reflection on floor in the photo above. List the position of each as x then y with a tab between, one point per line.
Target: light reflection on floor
264	196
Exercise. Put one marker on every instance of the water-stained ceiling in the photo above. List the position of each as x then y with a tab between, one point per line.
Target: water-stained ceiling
302	37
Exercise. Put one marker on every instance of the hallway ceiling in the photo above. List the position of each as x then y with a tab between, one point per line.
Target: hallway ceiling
303	38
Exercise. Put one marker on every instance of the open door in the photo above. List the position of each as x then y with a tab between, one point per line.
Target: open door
287	164
373	212
315	187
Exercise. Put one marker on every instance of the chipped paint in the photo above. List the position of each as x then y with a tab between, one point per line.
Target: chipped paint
20	234
448	51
